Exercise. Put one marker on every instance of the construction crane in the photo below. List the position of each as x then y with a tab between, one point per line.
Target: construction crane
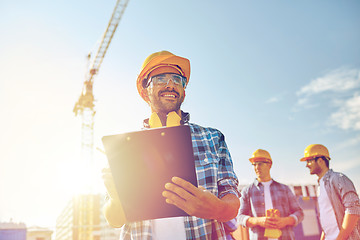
85	105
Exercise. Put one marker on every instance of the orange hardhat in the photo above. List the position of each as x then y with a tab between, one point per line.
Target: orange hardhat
260	155
162	62
315	150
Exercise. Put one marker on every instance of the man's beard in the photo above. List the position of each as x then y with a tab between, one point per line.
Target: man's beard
163	106
315	170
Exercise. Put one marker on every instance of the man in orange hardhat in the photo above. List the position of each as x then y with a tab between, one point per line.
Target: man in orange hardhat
339	203
161	83
268	208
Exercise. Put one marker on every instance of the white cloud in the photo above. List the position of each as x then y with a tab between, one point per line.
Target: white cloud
304	102
350	162
348	115
344	166
350	143
273	100
335	86
338	80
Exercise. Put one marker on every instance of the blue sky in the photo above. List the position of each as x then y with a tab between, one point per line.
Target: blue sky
276	75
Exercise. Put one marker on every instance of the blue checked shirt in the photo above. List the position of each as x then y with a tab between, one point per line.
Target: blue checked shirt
252	204
344	199
214	170
230	227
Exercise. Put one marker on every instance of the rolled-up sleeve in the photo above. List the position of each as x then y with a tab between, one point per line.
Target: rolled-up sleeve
349	197
228	181
245	207
295	210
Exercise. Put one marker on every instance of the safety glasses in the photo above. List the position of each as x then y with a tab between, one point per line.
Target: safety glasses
311	160
259	163
163	80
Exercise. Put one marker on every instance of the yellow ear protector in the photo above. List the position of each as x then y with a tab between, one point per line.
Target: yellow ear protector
172	120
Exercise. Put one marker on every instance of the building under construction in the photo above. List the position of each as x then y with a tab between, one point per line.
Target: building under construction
82	219
12	231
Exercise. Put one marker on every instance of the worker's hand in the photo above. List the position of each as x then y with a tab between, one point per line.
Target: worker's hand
196	201
265	222
113	211
109	183
282	222
269	222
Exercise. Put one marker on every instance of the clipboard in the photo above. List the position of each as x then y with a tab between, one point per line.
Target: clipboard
142	162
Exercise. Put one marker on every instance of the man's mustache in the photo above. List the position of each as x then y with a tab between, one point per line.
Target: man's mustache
169	91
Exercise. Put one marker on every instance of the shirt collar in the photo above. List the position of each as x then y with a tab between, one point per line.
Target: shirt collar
326	176
257	183
185	117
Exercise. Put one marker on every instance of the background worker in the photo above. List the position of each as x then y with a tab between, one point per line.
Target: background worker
263	194
161	83
339	204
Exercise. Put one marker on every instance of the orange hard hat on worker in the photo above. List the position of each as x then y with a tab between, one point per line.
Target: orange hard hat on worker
315	150
159	63
260	155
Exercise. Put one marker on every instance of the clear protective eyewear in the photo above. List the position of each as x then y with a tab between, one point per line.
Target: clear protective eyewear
163	80
259	163
311	160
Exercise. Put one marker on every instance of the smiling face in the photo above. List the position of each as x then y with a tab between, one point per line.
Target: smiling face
165	98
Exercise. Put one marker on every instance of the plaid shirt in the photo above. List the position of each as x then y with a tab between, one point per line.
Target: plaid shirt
214	170
344	199
230	227
252	204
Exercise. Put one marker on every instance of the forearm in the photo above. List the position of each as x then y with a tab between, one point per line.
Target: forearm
290	221
114	213
295	210
270	222
348	224
245	209
252	222
228	208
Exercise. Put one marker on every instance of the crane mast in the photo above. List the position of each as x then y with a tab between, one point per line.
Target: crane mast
85	104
